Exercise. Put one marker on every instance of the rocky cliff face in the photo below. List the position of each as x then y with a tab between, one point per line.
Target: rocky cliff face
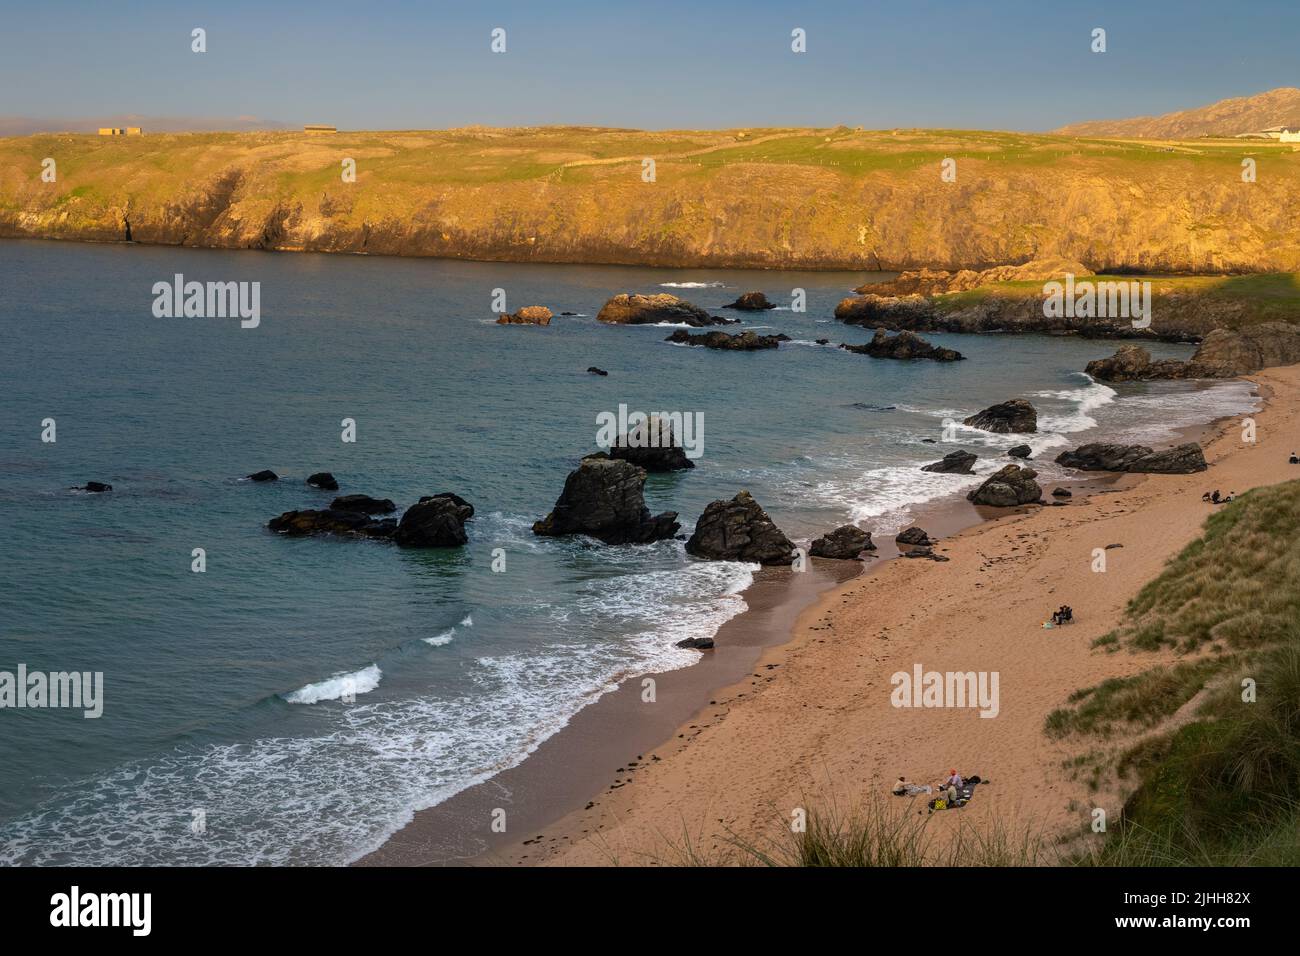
788	198
1223	353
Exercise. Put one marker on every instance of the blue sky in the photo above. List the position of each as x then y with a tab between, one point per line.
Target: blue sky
669	64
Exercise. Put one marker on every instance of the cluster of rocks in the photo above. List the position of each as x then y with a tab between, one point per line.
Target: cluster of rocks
1139	459
1011	417
915	542
845	543
743	342
630	308
435	521
904	345
528	315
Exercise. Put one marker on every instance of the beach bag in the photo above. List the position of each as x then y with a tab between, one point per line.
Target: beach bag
941	804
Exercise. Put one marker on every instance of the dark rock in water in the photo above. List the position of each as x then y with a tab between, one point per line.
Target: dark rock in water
913	536
844	543
697	643
868	406
739	530
954	463
568	313
363	504
330	521
463	508
528	315
1020	451
436	521
743	342
651	445
1102	456
930	441
1013	485
1222	353
630	308
823	341
751	302
95	487
266	475
604	498
1132	363
596	371
324	481
904	345
1061	493
1016	415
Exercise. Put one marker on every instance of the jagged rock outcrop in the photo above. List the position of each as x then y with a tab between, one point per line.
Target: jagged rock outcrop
435	521
603	498
750	302
653	445
265	475
363	504
1015	416
743	342
528	315
332	521
845	543
1223	353
323	480
904	345
1103	456
697	643
937	281
631	308
1013	485
1019	451
739	530
954	463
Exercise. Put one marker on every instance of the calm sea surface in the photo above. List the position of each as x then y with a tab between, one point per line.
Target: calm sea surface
223	690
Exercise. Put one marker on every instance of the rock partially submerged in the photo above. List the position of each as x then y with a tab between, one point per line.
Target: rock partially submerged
324	481
436	521
1011	417
528	315
744	342
265	475
652	445
1103	456
697	643
363	504
739	530
332	521
750	302
596	371
905	345
630	308
603	498
94	487
1013	485
844	543
1019	451
954	463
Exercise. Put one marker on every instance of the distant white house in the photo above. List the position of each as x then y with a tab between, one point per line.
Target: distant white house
1284	134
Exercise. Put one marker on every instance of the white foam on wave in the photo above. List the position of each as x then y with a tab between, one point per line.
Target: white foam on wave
441	640
333	688
1086	400
692	285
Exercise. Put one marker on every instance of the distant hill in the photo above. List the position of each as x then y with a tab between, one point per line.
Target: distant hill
1243	114
27	125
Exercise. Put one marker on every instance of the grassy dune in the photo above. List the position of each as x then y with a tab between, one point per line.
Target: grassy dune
827	198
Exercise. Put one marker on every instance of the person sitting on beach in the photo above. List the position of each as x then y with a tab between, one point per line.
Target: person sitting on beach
1205	497
1067	614
1294	460
1214	498
904	789
900	787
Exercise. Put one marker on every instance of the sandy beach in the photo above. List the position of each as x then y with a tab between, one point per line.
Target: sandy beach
811	724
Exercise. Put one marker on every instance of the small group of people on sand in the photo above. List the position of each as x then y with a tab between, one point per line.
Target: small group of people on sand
1215	498
1063	615
949	788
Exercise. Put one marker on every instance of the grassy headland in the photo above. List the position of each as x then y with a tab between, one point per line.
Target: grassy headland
824	198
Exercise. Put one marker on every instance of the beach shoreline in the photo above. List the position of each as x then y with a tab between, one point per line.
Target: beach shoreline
602	748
